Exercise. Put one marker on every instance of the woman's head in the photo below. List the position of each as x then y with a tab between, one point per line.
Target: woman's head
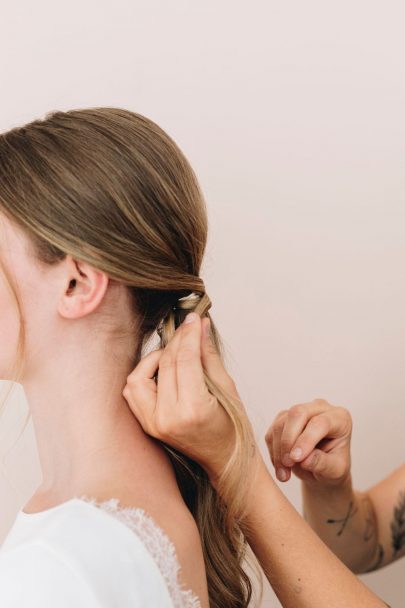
107	192
103	228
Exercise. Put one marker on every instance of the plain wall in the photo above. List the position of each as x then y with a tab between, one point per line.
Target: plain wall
292	115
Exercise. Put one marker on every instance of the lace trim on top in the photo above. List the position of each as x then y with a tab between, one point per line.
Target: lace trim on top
158	545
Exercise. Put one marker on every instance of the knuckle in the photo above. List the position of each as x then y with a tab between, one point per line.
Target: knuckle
345	413
284	444
198	418
269	435
186	354
132	384
188	422
312	461
162	427
278	425
320	401
125	392
167	360
160	432
298	410
319	421
211	349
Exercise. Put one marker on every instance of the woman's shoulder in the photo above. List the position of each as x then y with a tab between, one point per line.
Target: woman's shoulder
170	535
157	513
154	512
116	553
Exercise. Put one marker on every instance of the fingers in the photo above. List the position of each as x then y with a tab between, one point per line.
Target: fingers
140	389
272	437
318	427
333	422
167	394
180	397
324	466
299	416
190	376
309	427
286	429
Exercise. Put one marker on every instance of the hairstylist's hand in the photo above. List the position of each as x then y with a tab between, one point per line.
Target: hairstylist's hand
179	409
322	432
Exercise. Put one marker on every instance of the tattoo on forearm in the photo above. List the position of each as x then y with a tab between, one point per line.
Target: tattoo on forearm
398	525
351	511
370	518
379	561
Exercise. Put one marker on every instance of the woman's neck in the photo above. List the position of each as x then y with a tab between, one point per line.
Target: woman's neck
89	441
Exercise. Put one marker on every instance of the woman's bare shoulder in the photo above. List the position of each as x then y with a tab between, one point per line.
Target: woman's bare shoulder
162	501
180	526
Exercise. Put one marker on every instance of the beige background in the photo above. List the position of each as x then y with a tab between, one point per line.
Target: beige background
292	114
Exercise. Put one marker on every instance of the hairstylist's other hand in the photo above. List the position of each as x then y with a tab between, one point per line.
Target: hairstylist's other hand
179	409
322	432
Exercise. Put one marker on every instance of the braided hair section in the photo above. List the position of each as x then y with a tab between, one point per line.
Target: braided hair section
198	302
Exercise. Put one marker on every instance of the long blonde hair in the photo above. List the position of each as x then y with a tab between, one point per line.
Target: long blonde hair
110	187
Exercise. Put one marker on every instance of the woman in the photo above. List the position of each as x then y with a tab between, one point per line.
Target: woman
103	228
180	410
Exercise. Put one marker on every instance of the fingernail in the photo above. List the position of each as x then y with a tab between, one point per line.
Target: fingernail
296	453
190	317
282	474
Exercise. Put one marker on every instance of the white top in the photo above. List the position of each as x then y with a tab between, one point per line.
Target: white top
90	554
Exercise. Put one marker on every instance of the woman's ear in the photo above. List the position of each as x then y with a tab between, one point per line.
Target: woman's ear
83	288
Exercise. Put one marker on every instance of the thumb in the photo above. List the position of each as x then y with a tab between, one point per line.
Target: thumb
325	466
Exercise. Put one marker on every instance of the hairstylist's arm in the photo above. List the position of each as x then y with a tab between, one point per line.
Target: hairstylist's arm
365	529
180	411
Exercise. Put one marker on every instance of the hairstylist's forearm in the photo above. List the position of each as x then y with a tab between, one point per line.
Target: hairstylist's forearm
344	519
302	570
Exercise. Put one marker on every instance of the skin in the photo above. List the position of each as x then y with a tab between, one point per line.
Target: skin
76	368
365	529
179	409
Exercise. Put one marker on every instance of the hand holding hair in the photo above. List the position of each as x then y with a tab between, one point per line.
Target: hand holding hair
180	410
